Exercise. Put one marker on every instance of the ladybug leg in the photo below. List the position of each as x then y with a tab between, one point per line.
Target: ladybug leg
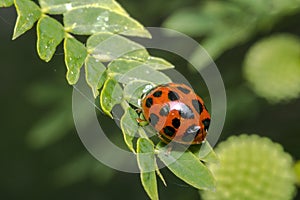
138	110
142	121
170	147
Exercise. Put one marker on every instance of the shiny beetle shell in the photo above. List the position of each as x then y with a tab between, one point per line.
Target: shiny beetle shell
177	113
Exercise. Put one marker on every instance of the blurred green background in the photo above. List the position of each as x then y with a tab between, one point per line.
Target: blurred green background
255	45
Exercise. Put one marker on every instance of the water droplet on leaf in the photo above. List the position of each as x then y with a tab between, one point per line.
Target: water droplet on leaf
68	6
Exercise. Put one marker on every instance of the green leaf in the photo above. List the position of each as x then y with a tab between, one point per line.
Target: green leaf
6	3
144	73
158	63
147	164
119	67
161	176
80	168
129	127
191	21
220	23
74	170
95	19
133	91
297	171
95	74
205	153
126	71
216	44
28	14
108	46
50	33
140	55
46	93
75	54
263	9
186	166
50	128
111	95
62	6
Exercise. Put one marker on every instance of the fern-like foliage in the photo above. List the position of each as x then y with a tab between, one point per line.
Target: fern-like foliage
119	76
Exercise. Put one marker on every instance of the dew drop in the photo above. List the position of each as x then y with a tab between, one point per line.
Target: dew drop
106	19
99	18
68	6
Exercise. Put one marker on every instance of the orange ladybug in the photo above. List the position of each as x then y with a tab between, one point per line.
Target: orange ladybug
177	113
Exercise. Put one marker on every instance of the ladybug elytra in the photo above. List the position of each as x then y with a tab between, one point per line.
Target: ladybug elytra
177	113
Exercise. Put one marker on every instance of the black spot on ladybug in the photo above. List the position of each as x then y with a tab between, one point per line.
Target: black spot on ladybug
190	133
186	112
153	119
164	111
176	123
197	105
169	130
149	102
157	93
173	96
206	123
184	90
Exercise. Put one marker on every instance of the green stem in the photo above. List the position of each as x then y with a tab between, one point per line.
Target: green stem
142	133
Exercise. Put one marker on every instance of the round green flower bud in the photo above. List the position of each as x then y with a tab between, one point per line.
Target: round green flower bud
272	67
252	168
297	170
